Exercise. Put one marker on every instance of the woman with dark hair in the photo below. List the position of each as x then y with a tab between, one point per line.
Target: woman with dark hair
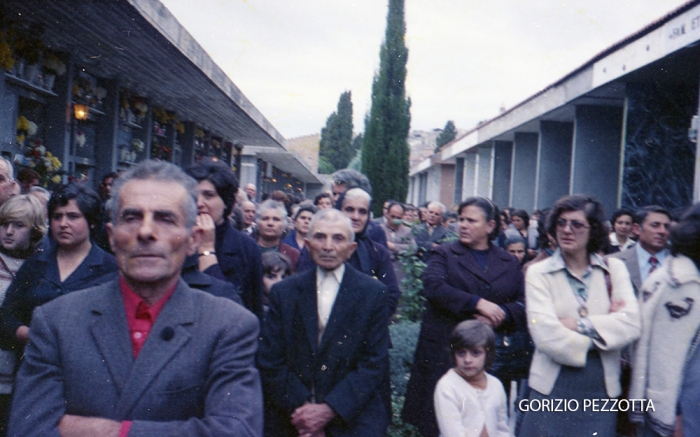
467	279
621	222
666	365
302	220
581	312
71	262
224	252
520	220
323	200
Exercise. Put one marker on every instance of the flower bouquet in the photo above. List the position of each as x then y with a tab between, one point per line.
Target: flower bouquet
41	161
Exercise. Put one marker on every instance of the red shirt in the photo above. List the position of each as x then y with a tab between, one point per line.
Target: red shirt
140	319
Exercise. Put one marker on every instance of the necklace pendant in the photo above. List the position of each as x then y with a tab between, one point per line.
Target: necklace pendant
583	312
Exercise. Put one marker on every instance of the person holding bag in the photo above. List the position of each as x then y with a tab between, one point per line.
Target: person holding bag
581	312
467	279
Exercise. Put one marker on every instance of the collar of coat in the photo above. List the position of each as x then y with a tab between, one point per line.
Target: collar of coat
556	262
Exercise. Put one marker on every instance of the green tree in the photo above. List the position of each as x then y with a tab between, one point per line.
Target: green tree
448	134
336	137
325	167
385	151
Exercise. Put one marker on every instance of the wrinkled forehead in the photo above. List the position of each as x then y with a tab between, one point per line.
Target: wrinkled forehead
329	226
151	195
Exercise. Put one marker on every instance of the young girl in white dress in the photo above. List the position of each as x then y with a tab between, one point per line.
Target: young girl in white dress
468	401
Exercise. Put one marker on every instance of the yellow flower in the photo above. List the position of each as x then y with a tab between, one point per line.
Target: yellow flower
20	138
56	179
48	154
22	123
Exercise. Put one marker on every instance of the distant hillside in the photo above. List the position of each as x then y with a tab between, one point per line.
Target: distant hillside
307	146
422	145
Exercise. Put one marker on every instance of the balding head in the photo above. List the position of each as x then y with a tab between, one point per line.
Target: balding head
250	190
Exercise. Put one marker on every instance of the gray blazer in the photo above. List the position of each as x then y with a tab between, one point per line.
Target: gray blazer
629	257
194	376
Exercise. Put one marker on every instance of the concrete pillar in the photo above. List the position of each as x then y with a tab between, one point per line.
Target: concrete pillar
469	185
596	153
459	180
502	161
249	170
524	171
554	162
484	170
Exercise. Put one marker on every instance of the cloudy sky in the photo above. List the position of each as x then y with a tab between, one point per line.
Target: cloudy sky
467	58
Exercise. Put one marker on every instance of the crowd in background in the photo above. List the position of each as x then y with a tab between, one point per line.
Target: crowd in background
556	299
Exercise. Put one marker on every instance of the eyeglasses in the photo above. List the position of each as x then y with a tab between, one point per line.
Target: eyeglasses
576	225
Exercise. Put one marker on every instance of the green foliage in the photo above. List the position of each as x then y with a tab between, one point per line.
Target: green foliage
357	143
404	337
385	151
356	162
336	138
412	300
448	134
325	167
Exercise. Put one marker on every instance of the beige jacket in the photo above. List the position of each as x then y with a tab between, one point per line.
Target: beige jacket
549	297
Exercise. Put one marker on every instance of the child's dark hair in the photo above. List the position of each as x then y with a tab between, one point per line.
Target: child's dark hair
273	262
472	334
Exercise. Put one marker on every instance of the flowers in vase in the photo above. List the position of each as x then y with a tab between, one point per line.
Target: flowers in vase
42	161
54	65
137	145
25	129
7	59
80	139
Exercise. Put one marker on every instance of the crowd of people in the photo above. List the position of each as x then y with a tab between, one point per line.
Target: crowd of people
176	303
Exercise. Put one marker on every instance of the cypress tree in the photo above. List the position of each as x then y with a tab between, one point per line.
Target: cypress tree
385	151
336	137
448	134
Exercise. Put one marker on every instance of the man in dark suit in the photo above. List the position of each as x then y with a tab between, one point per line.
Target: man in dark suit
143	355
324	352
431	234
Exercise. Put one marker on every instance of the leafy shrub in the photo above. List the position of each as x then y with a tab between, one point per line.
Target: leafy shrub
404	336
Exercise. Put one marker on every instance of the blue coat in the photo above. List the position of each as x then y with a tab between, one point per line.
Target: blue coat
38	281
240	264
347	368
453	284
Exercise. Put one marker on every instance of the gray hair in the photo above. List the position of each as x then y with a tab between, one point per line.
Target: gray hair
357	193
272	204
157	171
438	204
352	179
331	215
10	168
42	190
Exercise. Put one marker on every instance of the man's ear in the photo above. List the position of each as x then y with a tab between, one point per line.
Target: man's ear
637	229
195	238
109	226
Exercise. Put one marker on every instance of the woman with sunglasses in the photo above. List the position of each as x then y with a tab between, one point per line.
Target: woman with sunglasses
581	312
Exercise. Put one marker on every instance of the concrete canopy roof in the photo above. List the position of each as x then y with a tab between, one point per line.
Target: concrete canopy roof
664	52
140	43
288	162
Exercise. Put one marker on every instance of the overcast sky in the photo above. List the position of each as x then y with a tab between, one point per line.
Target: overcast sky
467	58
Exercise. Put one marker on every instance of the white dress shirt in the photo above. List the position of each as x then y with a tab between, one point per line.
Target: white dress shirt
327	286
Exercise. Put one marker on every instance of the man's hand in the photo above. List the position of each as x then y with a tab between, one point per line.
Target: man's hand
22	334
310	419
78	426
492	311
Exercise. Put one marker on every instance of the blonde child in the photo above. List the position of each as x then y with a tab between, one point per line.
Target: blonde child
468	401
